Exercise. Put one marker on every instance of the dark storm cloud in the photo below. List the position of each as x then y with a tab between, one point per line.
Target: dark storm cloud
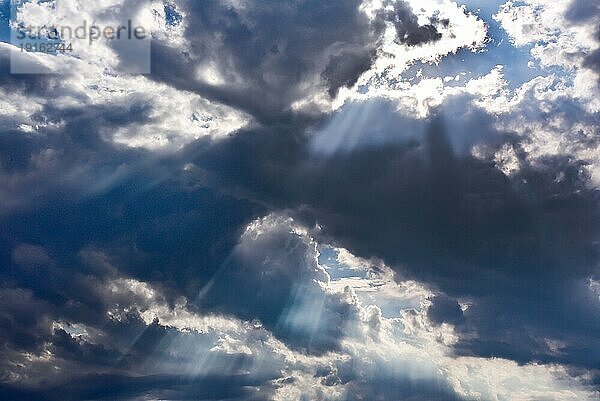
592	61
68	157
272	53
87	195
586	12
32	84
269	48
152	231
444	309
151	224
69	192
24	320
111	366
166	386
583	10
64	346
70	187
518	245
345	69
407	25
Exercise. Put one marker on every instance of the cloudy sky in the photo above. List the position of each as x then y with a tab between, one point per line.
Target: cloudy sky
302	200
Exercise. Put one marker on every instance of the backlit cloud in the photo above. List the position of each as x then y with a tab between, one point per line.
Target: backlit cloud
344	200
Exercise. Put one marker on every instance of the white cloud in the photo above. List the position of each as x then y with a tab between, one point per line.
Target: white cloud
555	41
409	345
89	76
384	79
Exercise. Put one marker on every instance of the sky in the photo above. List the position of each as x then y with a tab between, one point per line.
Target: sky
302	200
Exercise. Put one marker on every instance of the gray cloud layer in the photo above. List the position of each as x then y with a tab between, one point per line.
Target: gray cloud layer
87	213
